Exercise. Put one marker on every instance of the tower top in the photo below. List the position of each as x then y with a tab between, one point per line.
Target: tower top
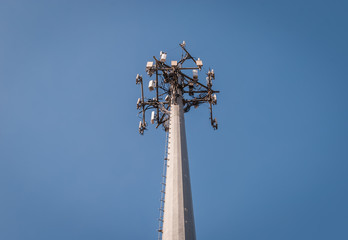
175	81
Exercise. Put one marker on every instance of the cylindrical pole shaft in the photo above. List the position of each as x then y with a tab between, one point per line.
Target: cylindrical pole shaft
178	219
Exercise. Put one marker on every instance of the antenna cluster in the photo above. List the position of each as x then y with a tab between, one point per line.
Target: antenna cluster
173	83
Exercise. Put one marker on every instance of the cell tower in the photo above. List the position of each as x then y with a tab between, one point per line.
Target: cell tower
176	91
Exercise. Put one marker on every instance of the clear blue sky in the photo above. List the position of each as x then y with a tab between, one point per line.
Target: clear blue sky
72	165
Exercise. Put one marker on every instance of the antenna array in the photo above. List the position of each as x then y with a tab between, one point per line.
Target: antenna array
173	82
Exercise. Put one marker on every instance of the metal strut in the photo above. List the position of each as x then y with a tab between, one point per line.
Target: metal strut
163	188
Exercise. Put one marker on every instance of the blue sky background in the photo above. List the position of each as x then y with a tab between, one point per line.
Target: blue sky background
72	165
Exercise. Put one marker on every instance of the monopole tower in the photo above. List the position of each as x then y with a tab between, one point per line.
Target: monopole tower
177	88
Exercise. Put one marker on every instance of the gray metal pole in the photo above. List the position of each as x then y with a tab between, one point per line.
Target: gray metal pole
178	219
